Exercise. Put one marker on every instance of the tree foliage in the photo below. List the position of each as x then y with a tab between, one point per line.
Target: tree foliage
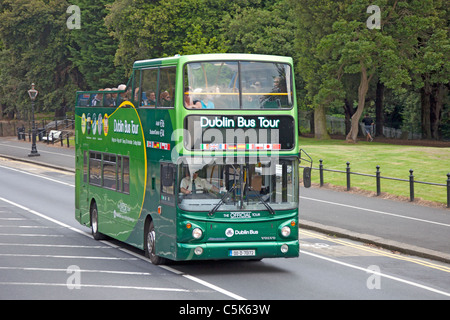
34	50
92	48
342	64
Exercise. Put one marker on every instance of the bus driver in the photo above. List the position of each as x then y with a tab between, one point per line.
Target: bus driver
199	186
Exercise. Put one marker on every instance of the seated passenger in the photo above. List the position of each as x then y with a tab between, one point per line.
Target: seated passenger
123	95
200	104
188	103
151	99
165	100
136	95
97	101
199	186
109	101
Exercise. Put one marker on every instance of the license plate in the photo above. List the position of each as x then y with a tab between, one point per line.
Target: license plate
242	253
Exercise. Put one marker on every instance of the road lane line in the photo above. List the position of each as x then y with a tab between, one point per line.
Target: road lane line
378	273
204	283
61	256
376	251
376	211
31	235
42	216
93	286
133	273
40	151
192	278
38	176
53	245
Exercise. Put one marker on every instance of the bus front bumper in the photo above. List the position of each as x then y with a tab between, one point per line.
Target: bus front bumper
241	250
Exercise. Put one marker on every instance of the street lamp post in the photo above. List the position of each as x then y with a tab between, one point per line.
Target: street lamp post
33	94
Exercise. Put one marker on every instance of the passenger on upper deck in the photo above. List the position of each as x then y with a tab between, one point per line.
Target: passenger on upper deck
123	95
109	101
151	99
165	99
97	101
200	104
188	100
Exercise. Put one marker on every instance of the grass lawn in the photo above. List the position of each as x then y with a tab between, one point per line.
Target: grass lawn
430	164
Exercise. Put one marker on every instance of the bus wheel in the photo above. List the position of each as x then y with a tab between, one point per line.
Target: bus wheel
149	244
94	223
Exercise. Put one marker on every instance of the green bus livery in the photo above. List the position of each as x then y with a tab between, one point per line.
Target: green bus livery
195	158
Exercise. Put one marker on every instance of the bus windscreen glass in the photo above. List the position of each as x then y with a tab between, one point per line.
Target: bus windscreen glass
238	85
231	187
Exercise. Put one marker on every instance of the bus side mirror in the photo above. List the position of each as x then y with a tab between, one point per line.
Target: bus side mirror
307	177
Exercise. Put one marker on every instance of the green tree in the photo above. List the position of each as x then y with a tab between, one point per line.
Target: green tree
34	37
92	49
262	30
313	20
353	48
151	29
423	33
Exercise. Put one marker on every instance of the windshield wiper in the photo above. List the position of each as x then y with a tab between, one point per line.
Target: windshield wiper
213	210
264	202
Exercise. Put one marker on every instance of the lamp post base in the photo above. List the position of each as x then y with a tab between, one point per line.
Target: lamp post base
33	154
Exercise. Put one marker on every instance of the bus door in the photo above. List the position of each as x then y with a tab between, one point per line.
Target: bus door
83	190
166	209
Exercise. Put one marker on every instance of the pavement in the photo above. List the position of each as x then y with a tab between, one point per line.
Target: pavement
404	227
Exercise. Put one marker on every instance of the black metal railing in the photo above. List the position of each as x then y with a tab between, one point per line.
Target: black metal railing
378	178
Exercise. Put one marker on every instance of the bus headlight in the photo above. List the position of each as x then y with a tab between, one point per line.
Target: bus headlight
198	251
284	248
197	233
285	231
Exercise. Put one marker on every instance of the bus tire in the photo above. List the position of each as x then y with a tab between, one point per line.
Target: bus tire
149	244
94	223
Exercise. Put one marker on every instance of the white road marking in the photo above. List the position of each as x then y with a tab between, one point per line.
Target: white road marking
192	278
38	176
378	273
376	211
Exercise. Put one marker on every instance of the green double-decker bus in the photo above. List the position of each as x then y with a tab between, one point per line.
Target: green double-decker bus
195	158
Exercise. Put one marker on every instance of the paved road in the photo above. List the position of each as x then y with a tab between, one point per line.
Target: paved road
46	254
400	226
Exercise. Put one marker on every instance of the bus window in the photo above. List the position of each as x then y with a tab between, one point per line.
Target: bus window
126	174
137	97
168	183
95	166
149	87
109	171
213	85
239	84
166	87
266	85
252	186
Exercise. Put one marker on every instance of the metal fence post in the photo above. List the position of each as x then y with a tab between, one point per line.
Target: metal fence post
448	190
321	172
411	185
348	175
378	181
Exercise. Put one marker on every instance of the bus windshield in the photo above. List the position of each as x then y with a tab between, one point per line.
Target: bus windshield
231	187
238	85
